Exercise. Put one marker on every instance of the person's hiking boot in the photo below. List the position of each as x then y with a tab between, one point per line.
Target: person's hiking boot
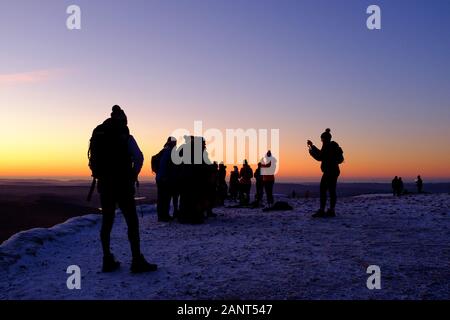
319	214
140	265
330	213
110	264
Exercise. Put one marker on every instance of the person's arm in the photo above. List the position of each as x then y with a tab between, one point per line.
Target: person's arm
136	155
315	153
266	165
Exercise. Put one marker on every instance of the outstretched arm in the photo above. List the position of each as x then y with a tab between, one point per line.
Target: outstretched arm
315	153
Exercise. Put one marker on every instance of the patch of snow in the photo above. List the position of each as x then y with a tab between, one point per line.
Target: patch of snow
373	195
247	254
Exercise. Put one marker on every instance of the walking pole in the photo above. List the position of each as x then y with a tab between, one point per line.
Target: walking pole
139	196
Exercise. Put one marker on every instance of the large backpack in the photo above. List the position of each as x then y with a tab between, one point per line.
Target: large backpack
156	161
339	154
108	151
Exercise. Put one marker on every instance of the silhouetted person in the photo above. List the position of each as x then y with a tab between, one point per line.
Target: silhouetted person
116	160
245	176
419	184
195	173
259	185
234	183
222	187
166	181
400	187
268	168
395	185
331	156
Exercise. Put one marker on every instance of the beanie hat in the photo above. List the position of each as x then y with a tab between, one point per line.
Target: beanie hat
118	114
326	135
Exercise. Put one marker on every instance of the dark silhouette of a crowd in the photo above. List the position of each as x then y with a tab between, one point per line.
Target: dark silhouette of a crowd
190	189
398	187
200	186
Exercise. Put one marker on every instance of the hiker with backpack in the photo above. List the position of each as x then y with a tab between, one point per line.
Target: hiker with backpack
166	180
116	161
330	156
245	181
268	168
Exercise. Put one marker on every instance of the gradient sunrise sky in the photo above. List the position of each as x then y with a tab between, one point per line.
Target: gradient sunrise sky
298	66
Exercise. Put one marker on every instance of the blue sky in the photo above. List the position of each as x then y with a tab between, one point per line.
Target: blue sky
299	66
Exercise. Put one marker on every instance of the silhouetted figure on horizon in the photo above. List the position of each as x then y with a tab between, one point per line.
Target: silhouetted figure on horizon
268	168
331	155
234	183
166	181
419	184
116	161
259	185
400	187
395	186
245	181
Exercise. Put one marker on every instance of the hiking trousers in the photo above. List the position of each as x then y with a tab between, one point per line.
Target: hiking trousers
328	185
121	195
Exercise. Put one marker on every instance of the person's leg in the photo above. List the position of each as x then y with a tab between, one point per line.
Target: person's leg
159	199
175	195
269	192
247	193
210	201
128	207
258	192
241	192
108	212
323	192
332	183
266	189
163	202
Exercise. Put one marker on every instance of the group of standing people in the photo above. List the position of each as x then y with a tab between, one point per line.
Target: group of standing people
398	188
194	187
264	175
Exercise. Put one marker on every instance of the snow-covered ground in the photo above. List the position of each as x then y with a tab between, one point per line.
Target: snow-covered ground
247	254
